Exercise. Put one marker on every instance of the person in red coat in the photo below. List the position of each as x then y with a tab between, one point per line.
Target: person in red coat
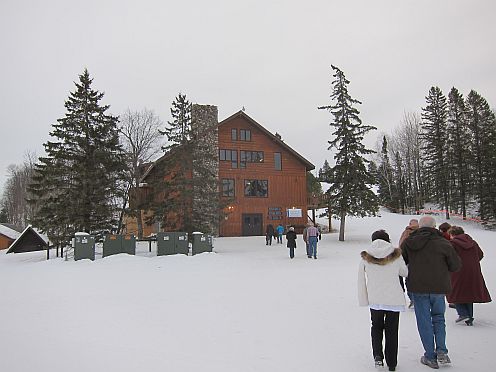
468	286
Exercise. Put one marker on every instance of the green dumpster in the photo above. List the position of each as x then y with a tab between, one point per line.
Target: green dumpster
172	243
129	244
115	244
201	243
84	247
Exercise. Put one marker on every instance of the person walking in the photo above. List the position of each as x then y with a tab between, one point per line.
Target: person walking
412	226
468	283
306	240
269	233
430	259
379	288
312	238
280	231
291	239
444	227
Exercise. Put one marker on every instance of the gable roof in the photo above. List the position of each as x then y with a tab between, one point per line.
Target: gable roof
28	241
274	138
9	230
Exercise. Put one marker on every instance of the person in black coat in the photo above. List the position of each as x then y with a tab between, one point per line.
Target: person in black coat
291	239
269	233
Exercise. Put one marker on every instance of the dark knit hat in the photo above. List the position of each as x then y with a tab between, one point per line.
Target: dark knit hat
381	234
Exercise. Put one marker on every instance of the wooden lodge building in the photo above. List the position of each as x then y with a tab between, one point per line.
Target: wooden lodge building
262	178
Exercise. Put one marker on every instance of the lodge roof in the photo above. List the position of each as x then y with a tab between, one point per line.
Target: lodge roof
273	137
10	231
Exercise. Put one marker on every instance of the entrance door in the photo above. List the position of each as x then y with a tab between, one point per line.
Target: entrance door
252	224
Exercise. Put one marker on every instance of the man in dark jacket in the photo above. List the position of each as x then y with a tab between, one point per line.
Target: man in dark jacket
430	259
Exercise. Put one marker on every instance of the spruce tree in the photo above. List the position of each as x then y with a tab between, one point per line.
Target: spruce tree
75	184
458	147
482	124
173	209
351	182
435	134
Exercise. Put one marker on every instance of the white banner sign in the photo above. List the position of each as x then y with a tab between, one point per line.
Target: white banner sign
294	213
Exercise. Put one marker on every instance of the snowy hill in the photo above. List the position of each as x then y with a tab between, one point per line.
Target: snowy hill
246	307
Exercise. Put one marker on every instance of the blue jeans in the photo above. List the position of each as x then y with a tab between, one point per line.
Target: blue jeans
429	311
465	310
312	245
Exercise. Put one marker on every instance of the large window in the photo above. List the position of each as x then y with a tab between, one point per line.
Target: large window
277	161
244	135
227	187
250	157
229	155
257	188
234	134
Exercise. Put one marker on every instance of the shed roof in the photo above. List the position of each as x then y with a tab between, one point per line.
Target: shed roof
28	241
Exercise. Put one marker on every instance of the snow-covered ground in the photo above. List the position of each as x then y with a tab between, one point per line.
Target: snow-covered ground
246	307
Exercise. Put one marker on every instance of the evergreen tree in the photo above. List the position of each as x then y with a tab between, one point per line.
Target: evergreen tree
434	134
482	124
385	180
350	180
75	185
458	147
173	209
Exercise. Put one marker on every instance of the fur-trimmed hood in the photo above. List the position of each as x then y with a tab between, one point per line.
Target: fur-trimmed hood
381	253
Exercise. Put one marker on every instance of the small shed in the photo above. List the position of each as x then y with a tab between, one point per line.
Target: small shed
8	234
28	241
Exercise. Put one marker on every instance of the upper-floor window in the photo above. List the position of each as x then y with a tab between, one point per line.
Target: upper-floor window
227	187
250	157
244	135
257	188
277	161
229	155
234	134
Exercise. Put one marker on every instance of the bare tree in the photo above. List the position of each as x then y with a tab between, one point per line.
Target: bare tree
142	142
14	198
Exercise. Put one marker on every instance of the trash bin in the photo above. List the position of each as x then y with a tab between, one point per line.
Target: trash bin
181	243
172	243
129	244
201	243
84	247
115	244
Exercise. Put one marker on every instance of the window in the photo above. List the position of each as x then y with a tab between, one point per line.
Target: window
257	188
234	134
250	157
229	155
277	161
244	135
227	187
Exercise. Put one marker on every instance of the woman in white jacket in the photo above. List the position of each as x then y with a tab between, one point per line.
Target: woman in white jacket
380	289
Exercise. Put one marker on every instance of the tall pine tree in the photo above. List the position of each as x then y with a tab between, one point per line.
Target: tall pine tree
458	147
435	135
75	184
482	124
350	179
173	209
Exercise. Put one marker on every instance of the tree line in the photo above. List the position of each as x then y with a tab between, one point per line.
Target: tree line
446	155
92	162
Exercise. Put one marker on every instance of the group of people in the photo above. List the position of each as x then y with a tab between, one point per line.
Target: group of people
311	236
271	232
438	266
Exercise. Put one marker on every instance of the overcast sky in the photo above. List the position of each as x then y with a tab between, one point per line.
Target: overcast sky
271	57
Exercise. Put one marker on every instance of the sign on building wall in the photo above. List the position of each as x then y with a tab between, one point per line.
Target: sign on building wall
275	213
294	213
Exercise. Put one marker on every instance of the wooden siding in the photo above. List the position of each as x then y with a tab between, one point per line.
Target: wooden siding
286	187
5	242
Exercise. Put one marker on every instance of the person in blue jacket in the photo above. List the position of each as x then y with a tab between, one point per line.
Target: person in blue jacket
280	231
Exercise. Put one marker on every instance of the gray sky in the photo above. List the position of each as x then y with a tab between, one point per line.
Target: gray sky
272	57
